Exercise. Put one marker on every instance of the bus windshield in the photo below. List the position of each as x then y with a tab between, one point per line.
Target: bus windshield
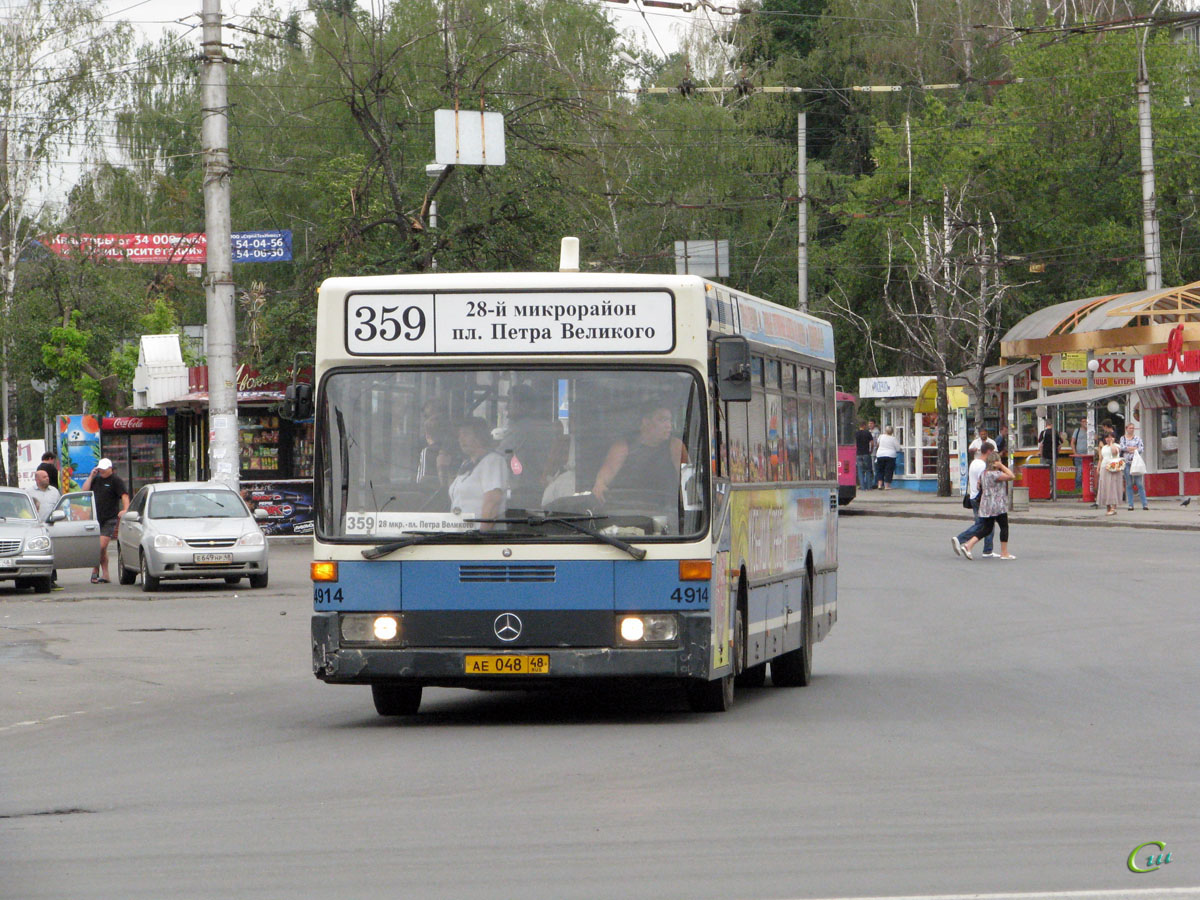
486	452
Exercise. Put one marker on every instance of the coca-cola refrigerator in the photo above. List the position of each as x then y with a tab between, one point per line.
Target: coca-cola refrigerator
137	446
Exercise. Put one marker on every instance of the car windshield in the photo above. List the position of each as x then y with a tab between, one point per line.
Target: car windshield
196	504
16	506
404	452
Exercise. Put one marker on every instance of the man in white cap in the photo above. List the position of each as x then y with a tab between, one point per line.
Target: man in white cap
112	499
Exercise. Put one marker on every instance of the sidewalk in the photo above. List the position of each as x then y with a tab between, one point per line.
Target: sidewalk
1165	513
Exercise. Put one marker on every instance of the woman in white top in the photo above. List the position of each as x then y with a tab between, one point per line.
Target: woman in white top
478	491
885	458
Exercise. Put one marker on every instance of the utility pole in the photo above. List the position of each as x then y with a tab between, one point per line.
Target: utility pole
218	285
802	177
1152	251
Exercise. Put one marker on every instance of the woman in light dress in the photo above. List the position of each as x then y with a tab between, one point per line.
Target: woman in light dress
1112	465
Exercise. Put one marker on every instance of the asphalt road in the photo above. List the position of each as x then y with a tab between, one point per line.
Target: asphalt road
972	727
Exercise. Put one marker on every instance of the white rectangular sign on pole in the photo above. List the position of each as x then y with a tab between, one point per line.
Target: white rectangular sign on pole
464	138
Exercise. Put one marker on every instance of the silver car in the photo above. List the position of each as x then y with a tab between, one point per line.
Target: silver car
190	529
26	554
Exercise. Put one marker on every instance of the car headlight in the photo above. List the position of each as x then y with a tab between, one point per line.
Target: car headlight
252	539
167	540
651	628
39	543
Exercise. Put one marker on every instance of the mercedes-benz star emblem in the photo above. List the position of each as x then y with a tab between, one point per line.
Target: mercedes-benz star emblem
507	627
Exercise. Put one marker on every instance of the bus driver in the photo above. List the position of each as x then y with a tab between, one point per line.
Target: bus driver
648	462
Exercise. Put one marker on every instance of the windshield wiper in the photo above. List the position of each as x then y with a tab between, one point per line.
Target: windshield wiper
418	537
572	522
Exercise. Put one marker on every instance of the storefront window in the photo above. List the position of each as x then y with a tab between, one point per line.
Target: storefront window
1027	430
1168	439
1194	455
929	438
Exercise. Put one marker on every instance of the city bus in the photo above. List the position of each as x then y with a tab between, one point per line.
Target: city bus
847	449
528	480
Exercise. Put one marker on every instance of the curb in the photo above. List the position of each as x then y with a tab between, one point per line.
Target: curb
1018	518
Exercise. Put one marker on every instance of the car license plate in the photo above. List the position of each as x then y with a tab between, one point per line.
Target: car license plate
7	563
212	558
507	664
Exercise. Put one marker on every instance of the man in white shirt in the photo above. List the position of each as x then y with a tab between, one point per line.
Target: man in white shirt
44	495
977	468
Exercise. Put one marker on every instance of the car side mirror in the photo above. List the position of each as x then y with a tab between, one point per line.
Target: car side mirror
261	515
132	517
57	516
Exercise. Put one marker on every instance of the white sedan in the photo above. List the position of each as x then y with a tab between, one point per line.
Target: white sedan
190	529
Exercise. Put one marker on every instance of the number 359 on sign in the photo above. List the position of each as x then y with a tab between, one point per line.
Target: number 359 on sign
389	324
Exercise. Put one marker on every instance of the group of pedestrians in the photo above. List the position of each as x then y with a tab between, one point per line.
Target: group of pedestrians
1122	471
875	453
987	495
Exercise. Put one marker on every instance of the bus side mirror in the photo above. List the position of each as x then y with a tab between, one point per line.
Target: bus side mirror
733	368
298	401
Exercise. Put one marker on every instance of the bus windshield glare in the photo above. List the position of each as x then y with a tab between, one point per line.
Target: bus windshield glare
486	452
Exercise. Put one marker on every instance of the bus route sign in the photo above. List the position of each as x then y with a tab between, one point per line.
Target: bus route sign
552	322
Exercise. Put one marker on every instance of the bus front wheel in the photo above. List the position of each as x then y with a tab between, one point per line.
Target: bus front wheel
717	696
794	668
396	699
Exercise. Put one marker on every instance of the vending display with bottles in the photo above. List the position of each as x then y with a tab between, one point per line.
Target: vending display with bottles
137	446
259	446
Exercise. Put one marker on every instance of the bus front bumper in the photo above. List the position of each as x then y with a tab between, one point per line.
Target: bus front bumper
690	657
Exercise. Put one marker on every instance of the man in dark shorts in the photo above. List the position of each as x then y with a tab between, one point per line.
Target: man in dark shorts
112	499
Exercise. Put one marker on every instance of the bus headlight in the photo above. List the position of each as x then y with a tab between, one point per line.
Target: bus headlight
648	628
370	628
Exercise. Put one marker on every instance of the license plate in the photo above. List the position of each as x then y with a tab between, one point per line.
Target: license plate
212	558
507	664
7	563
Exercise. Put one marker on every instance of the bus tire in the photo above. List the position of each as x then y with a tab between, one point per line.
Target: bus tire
396	699
755	676
794	668
717	696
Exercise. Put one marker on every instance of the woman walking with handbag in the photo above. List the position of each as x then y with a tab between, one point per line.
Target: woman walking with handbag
1132	450
1111	466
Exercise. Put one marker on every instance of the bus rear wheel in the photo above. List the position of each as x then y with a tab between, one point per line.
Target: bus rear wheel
794	668
396	699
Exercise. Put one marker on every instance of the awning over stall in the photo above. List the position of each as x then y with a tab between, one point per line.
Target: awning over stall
1087	396
956	397
1182	391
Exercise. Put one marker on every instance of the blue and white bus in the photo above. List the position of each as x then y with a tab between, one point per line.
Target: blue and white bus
532	479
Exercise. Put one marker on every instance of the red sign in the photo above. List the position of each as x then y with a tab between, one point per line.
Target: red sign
134	248
133	423
1176	359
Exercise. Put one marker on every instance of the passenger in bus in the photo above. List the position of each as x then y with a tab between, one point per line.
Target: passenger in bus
436	461
535	446
647	462
478	490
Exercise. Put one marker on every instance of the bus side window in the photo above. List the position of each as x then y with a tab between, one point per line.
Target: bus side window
738	455
757	444
805	435
791	437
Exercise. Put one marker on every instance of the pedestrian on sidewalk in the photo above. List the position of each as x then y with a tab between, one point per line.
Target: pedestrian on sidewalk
993	509
1111	465
974	473
1079	443
863	444
885	458
1134	484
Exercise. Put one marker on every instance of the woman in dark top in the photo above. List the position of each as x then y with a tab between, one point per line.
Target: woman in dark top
647	462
